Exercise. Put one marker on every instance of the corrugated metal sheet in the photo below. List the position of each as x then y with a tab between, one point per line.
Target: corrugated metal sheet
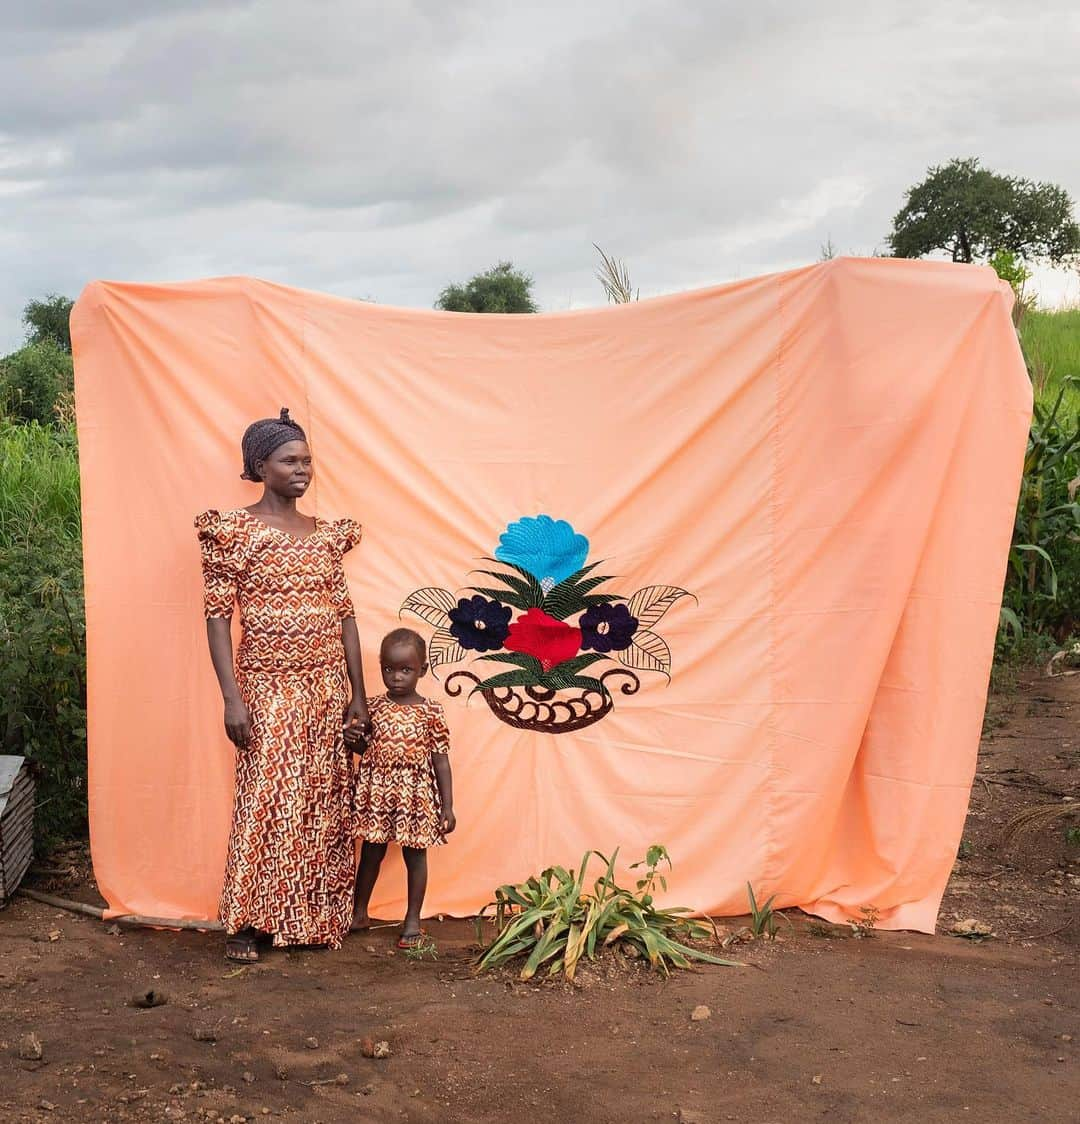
16	823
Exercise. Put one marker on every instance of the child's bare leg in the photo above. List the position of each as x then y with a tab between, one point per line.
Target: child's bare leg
416	865
371	857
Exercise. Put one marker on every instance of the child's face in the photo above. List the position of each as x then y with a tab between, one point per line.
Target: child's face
401	668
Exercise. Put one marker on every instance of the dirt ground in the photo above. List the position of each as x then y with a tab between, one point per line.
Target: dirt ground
898	1027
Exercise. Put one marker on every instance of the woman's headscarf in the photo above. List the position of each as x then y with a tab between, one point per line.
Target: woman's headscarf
262	437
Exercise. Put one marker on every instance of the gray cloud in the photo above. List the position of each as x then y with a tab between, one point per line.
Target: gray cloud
381	150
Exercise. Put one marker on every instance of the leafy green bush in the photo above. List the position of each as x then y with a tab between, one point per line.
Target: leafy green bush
42	626
1047	516
33	379
552	919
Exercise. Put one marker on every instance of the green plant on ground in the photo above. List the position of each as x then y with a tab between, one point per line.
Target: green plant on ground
864	925
821	929
424	949
762	917
552	921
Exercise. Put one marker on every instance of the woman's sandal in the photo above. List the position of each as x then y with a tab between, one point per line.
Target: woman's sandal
245	945
411	940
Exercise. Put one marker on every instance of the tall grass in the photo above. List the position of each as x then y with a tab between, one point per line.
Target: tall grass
1051	342
39	484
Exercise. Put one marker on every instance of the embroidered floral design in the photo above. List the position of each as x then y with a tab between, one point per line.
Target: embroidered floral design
565	630
551	641
479	625
548	549
607	628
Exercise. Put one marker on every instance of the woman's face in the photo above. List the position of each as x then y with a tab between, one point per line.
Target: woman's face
288	471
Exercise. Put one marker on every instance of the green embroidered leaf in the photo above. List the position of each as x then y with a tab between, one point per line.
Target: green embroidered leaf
647	652
601	598
578	663
520	659
563	606
503	596
583	571
517	678
652	602
535	593
566	599
558	681
430	604
519	585
443	648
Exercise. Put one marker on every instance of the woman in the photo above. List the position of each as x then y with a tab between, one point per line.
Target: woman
289	872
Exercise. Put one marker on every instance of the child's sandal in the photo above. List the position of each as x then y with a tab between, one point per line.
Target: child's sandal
411	940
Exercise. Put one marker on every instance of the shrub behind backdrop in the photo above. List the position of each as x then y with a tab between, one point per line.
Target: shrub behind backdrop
42	630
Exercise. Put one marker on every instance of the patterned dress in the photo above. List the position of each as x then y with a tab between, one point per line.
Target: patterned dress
397	799
290	868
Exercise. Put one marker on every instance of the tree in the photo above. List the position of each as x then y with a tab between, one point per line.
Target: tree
47	319
501	289
970	212
32	380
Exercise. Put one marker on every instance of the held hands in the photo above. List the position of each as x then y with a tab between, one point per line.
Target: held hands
357	725
237	723
447	821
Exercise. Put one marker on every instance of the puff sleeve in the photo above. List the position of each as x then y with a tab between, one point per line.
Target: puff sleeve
223	561
438	732
344	534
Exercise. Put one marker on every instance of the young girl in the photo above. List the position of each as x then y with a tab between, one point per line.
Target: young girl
404	790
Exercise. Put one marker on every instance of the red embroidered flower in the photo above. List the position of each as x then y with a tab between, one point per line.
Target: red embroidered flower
550	641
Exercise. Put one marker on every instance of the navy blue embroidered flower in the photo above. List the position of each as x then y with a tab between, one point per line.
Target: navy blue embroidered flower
480	625
549	549
607	628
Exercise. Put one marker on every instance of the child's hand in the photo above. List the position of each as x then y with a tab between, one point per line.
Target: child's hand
356	713
447	821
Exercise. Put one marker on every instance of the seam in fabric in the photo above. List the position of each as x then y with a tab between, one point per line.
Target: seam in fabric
770	876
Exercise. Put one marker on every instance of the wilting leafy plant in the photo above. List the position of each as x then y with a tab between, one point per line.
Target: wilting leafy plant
553	921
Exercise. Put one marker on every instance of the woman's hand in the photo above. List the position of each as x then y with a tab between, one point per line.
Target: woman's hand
447	821
357	725
237	723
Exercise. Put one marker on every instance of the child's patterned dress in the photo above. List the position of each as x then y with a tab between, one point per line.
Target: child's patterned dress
397	800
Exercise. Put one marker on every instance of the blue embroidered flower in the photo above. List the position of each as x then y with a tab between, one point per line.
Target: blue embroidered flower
480	625
607	628
549	549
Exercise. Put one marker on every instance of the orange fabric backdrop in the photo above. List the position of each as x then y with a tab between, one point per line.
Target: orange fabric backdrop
827	459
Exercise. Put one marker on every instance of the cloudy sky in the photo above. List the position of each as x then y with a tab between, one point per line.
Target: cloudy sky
381	150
